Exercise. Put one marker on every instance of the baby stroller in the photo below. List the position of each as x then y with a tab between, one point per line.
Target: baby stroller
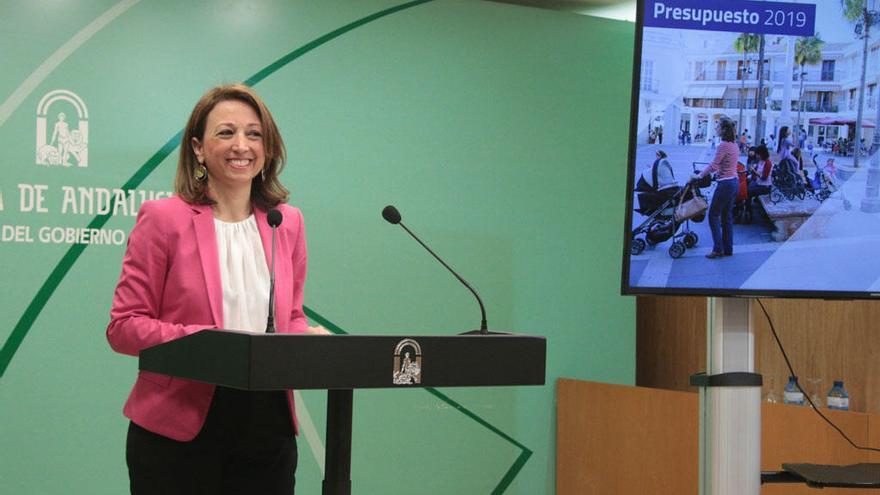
825	183
788	182
660	224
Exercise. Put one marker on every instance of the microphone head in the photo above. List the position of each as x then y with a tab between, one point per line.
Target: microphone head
274	218
391	214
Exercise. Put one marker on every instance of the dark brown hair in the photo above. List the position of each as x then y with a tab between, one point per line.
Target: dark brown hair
728	129
266	190
783	134
763	152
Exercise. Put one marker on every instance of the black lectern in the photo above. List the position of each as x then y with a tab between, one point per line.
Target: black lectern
341	363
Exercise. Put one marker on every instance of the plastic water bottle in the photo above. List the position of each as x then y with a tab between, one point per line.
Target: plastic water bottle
838	398
793	394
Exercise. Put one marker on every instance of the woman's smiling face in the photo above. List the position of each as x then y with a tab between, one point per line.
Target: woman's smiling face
232	145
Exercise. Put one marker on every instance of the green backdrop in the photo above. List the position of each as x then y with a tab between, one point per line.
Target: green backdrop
499	132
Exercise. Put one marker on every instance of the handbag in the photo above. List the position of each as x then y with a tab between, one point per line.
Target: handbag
695	206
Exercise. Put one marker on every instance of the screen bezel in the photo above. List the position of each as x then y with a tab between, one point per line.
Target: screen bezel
626	288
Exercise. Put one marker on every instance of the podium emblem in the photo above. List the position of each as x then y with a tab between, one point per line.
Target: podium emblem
407	363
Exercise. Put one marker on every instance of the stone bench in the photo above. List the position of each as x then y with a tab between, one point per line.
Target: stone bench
789	216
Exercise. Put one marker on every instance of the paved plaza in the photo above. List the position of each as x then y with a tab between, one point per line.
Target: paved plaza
835	249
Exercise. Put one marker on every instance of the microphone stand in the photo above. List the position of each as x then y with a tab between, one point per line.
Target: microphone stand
484	328
270	321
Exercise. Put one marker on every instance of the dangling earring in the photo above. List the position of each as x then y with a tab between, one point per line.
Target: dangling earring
200	173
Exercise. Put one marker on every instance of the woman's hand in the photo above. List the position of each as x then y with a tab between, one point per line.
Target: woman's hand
318	330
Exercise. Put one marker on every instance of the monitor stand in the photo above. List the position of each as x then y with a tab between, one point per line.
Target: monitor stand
730	403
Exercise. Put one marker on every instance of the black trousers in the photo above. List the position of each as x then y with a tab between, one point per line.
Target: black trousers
247	446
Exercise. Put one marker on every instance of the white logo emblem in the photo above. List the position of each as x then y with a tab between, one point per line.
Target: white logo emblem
62	145
407	363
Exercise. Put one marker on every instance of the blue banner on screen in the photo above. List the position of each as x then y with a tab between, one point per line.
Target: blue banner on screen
740	16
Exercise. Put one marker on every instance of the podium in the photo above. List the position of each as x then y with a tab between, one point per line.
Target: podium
342	363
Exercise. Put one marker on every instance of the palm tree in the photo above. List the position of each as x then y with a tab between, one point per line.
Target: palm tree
759	99
854	11
746	43
807	51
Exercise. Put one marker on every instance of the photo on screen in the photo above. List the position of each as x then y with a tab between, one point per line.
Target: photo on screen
753	163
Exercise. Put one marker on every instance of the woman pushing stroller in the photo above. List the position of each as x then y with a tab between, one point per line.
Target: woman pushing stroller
721	207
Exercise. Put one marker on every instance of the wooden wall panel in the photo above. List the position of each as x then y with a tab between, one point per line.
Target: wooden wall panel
874	441
791	434
670	341
614	439
828	340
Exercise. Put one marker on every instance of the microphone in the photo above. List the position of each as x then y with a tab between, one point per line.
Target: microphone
392	216
274	219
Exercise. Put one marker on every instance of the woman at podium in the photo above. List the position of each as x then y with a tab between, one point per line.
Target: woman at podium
198	260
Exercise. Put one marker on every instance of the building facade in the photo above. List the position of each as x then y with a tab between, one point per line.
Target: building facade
717	80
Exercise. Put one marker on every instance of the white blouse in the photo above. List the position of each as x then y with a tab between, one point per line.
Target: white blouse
243	274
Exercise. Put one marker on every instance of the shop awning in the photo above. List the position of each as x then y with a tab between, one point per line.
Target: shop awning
714	92
695	92
704	92
840	121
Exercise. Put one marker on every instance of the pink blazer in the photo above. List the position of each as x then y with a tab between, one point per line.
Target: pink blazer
170	287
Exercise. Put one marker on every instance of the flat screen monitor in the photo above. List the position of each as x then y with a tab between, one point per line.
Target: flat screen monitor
780	101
